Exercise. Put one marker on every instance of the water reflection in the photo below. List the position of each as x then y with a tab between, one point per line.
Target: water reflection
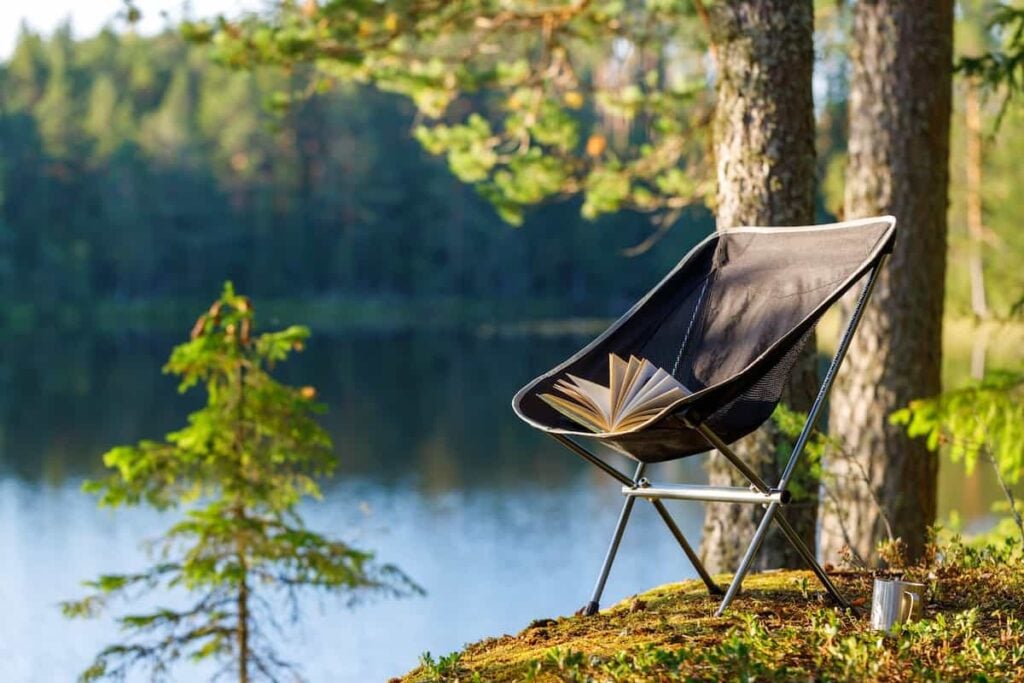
494	520
497	522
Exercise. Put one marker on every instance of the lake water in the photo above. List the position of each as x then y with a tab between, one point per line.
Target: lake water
499	524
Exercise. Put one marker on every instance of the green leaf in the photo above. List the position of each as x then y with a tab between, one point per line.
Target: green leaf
607	188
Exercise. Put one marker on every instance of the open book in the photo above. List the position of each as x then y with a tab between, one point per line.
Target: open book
637	391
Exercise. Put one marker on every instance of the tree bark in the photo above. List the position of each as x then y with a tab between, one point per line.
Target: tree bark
975	213
764	147
242	634
900	94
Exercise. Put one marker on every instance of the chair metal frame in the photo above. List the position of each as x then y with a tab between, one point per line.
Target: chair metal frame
759	492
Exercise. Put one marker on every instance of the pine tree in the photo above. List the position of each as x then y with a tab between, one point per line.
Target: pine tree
105	121
764	143
900	100
167	134
57	110
238	472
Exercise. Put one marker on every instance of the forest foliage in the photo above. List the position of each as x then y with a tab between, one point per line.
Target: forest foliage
528	101
135	168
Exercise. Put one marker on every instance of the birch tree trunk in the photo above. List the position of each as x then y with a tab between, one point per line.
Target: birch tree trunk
899	109
764	147
975	211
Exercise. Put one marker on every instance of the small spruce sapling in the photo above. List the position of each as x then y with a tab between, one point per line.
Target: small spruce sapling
238	471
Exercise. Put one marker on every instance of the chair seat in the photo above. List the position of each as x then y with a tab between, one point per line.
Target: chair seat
729	321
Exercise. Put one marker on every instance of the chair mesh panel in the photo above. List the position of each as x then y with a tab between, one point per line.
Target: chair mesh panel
755	405
729	324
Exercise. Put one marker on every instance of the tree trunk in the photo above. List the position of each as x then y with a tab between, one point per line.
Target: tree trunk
900	94
764	147
242	634
975	216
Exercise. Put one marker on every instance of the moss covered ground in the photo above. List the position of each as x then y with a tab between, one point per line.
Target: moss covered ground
781	627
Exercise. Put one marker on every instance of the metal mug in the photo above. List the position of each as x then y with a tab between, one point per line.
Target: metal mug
895	602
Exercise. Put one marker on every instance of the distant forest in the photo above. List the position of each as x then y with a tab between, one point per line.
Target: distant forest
133	169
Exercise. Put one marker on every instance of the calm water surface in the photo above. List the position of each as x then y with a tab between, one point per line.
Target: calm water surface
497	523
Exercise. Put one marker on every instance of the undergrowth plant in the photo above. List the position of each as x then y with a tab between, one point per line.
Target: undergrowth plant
443	669
816	480
980	422
240	551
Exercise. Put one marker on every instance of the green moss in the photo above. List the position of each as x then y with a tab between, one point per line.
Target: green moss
780	628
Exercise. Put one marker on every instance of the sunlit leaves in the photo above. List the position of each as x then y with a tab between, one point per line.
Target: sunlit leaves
675	182
986	421
987	418
529	178
606	189
509	74
469	147
627	101
554	127
528	101
573	100
428	83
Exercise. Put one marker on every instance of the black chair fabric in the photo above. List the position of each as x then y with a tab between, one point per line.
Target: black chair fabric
728	322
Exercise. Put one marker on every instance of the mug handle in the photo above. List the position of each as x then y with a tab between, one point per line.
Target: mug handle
909	606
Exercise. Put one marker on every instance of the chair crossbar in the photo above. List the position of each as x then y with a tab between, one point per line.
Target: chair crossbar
719	494
684	544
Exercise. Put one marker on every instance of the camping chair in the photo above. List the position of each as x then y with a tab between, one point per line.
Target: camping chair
728	322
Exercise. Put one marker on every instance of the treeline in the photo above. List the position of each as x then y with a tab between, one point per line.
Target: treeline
132	168
135	171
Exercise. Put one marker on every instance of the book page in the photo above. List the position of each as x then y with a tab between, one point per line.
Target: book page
651	409
616	379
584	399
628	387
659	384
599	395
574	412
656	401
645	372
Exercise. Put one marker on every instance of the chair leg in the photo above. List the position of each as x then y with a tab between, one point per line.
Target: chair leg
592	607
811	560
748	558
713	588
